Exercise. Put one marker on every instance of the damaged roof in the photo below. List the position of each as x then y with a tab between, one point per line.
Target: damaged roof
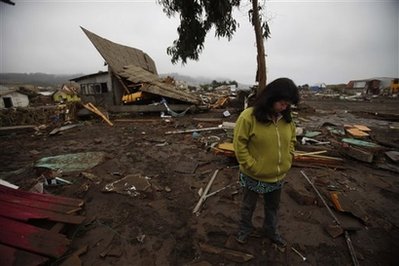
155	85
117	56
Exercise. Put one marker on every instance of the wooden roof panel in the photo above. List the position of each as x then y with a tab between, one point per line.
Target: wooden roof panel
117	56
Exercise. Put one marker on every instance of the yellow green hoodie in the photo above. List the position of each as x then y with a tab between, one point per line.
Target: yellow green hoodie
264	151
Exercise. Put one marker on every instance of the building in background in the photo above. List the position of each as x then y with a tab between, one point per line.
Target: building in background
12	98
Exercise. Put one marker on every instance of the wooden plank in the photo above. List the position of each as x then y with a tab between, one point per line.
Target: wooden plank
193	130
317	165
320	157
57	227
393	155
203	196
319	160
42	197
229	254
207	120
25	213
10	256
24	128
137	120
8	184
356	132
147	108
226	146
362	128
31	238
304	153
45	205
359	154
92	108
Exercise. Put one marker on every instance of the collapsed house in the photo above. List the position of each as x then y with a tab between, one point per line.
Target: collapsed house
374	86
66	93
131	82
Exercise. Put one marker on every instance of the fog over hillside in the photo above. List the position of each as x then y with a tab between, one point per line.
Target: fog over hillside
37	79
43	79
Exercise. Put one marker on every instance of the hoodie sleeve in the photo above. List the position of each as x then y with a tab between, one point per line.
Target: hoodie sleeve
240	141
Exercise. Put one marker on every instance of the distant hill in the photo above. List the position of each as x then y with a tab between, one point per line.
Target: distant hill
38	79
42	79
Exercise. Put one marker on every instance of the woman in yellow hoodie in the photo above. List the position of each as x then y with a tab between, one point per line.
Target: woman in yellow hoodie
264	141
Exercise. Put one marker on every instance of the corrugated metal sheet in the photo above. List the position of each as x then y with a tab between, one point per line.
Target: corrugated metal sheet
138	75
117	56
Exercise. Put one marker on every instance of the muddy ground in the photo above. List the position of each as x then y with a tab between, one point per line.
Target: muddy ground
157	226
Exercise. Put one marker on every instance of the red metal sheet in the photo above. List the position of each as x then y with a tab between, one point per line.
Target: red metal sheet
10	256
24	213
30	238
42	197
45	205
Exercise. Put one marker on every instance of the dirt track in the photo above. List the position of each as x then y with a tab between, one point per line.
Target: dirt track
158	227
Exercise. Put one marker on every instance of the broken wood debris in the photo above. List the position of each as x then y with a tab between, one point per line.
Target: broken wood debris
226	149
306	140
154	84
317	156
393	156
345	204
338	223
203	196
193	130
221	102
24	128
132	185
230	254
357	131
359	154
63	128
218	190
89	106
208	120
74	259
318	160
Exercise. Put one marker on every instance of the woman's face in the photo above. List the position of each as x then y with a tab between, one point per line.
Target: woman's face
280	106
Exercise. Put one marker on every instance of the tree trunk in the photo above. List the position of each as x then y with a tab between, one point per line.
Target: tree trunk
261	58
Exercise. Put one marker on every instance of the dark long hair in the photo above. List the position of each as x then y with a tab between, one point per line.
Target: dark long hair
280	89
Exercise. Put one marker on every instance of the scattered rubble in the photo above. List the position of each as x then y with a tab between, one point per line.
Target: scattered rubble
177	196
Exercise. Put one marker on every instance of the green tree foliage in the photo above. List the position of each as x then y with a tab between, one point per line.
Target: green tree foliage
196	18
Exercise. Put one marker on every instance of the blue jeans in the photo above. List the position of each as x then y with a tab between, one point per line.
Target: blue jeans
271	202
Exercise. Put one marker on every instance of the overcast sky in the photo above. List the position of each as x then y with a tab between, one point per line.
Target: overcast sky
311	41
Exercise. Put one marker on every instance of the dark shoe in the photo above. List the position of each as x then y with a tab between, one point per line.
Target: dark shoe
242	238
278	241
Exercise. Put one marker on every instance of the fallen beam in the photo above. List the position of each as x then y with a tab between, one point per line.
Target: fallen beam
230	254
148	108
193	130
203	196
